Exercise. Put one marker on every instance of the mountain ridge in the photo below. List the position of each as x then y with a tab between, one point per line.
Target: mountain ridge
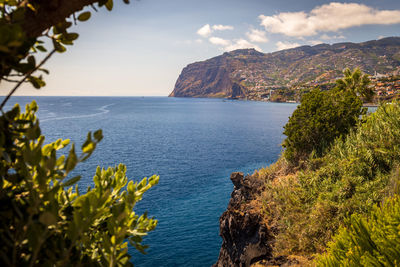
248	73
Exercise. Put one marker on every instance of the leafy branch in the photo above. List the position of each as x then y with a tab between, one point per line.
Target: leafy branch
27	76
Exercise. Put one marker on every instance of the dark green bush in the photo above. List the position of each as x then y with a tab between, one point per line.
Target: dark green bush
318	120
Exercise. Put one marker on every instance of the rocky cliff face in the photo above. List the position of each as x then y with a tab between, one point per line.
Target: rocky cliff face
210	78
246	237
248	73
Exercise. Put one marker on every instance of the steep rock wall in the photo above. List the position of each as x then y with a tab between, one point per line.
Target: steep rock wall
246	238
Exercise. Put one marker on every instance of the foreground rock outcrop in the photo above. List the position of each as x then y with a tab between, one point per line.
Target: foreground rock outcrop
246	237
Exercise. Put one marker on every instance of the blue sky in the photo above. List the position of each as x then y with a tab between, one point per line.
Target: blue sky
141	48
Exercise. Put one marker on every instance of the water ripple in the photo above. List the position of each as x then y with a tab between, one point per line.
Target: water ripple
103	110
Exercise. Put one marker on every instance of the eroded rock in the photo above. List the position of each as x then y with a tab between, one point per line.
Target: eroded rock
246	238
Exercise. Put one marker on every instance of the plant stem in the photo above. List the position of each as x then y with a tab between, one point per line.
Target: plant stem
23	79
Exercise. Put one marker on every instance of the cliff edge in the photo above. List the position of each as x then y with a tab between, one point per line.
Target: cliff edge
246	237
248	234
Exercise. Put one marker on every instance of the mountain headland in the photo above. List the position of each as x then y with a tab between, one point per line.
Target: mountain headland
249	74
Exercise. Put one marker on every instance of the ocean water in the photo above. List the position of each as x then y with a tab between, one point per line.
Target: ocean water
193	144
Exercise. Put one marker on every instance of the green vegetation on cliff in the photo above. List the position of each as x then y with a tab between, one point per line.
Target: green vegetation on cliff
369	240
306	208
318	120
323	116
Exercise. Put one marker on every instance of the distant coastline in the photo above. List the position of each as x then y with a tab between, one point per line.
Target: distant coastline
284	76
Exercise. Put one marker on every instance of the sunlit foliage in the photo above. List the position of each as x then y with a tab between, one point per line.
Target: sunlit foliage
369	240
356	173
44	221
356	82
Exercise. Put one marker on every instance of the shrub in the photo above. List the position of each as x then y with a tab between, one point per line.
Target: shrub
46	222
372	240
355	174
356	82
318	120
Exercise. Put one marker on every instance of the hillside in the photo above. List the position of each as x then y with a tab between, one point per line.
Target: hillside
247	73
281	216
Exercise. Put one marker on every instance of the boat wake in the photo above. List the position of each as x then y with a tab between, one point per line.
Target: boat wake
103	110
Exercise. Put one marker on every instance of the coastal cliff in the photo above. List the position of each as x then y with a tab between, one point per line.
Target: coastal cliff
246	237
248	234
249	74
212	78
297	215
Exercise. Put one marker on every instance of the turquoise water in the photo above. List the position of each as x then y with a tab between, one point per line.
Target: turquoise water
193	144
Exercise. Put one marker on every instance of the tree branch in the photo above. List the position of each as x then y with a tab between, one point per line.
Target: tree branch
10	80
25	77
51	13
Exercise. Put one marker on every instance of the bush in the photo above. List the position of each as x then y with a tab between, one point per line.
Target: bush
355	174
356	82
372	240
318	120
44	221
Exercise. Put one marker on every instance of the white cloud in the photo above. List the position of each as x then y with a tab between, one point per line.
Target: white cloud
331	37
325	37
222	27
329	17
219	41
286	45
257	36
241	44
316	42
229	45
206	30
381	37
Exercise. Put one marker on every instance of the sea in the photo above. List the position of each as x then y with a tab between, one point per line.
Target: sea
193	144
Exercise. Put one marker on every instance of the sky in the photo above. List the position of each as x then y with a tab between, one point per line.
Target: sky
140	49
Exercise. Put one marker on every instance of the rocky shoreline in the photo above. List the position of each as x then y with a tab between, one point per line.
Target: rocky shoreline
246	237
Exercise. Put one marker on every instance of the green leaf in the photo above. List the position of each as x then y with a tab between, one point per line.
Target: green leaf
71	36
36	82
72	159
89	147
109	5
47	218
41	48
58	47
45	71
98	135
84	16
72	181
32	61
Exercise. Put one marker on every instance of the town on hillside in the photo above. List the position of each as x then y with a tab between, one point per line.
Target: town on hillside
386	88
